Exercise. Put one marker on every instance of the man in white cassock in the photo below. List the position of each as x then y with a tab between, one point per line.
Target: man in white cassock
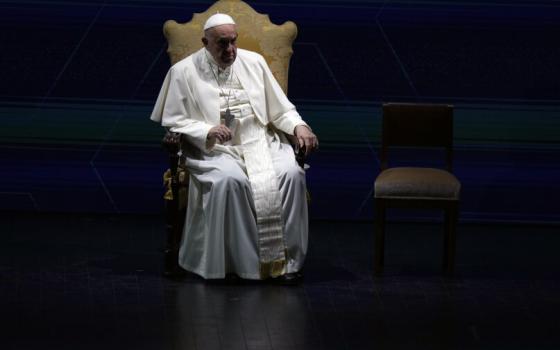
247	210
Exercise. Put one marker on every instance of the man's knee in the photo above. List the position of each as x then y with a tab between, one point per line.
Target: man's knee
292	173
232	180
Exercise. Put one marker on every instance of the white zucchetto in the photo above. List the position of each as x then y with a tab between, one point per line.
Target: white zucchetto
217	20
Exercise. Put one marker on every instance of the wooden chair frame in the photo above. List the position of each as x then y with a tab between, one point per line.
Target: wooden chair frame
417	126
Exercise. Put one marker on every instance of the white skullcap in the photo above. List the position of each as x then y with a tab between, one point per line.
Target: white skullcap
217	20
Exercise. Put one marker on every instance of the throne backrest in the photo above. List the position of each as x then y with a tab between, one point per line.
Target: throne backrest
255	32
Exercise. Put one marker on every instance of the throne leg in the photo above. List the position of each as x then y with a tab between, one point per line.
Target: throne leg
171	266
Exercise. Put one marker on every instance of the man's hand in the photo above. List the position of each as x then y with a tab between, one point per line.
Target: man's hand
220	132
306	139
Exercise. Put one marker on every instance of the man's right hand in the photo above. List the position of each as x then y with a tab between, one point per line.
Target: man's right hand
220	132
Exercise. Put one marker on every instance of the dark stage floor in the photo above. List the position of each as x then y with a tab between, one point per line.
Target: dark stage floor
93	282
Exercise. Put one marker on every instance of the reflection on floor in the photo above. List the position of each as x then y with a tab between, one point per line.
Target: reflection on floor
93	282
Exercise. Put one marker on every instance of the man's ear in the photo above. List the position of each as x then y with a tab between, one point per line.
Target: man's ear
204	41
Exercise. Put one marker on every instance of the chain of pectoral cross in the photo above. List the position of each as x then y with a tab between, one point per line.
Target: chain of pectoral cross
228	116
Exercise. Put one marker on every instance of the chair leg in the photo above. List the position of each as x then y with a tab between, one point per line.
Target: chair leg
449	244
379	237
171	252
446	221
175	218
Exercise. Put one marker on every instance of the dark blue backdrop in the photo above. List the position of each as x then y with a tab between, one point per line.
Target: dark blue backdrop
79	80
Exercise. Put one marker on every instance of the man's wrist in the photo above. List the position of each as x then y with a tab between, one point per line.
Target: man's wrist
305	125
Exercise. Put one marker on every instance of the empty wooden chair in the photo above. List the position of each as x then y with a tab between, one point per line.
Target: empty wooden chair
417	126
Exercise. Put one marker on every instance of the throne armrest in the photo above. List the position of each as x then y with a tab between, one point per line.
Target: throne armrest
300	155
171	141
175	145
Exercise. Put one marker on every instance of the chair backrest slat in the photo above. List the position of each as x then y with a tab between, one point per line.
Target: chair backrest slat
417	125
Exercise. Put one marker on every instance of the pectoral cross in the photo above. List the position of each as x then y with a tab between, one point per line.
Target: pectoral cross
228	118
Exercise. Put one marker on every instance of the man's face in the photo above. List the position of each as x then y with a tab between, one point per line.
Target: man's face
221	42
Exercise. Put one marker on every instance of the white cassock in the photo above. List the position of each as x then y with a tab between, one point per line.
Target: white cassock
247	210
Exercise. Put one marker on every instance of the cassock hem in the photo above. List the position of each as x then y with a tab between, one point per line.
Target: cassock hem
220	275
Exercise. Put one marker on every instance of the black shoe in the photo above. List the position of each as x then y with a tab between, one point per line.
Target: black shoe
289	279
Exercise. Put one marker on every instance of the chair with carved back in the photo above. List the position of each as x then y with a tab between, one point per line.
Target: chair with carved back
256	33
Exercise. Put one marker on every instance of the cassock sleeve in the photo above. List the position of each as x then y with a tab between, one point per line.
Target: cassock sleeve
281	112
171	109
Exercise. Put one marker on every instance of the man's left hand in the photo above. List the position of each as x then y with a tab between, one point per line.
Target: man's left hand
306	139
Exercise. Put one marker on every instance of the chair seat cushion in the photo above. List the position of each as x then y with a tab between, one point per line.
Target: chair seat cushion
419	183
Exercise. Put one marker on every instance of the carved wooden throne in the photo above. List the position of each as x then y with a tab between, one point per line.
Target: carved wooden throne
255	33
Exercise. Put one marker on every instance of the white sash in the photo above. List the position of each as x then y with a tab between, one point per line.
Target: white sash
267	199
